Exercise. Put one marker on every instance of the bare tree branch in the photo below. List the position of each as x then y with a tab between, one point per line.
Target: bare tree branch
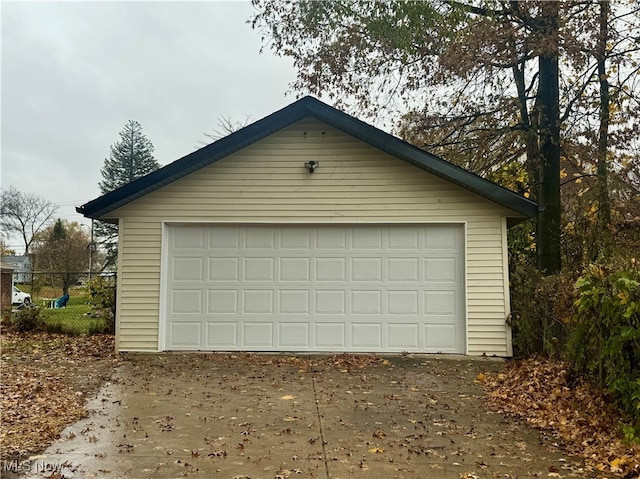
25	215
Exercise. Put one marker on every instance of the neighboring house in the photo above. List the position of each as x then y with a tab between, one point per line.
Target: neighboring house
6	288
382	248
21	268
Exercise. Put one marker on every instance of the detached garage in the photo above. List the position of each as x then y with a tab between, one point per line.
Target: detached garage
310	230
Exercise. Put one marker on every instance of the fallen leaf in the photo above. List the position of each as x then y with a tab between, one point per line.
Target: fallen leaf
46	379
376	450
543	393
218	454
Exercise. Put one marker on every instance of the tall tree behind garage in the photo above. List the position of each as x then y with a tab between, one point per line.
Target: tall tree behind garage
129	159
548	102
476	82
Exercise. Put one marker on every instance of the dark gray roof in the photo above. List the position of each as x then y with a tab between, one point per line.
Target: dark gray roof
20	262
307	107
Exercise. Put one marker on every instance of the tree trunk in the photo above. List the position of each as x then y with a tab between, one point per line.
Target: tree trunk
529	125
604	206
548	100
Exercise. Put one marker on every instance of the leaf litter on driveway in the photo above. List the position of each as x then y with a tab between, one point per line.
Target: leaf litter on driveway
539	391
46	379
273	416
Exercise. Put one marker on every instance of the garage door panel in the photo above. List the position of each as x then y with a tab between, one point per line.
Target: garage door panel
257	301
186	301
315	288
224	239
295	238
403	336
366	238
366	335
294	302
330	335
295	269
441	270
222	301
441	237
403	270
224	269
222	335
441	337
366	302
331	238
259	269
440	303
294	335
331	269
258	334
259	238
366	269
403	303
330	302
404	238
189	238
186	334
188	269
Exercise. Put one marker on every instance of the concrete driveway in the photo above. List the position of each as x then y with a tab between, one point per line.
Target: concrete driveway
277	416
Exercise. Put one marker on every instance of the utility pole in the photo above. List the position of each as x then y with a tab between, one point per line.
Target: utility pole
92	249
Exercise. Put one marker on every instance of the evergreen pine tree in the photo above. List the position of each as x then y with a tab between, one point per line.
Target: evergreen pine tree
129	159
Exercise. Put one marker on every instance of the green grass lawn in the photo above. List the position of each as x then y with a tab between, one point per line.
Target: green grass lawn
72	319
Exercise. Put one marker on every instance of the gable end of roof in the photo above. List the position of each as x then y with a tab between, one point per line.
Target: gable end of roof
307	106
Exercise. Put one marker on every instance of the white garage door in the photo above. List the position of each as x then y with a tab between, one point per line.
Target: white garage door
315	288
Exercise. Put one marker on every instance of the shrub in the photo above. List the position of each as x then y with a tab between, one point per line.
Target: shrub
28	319
102	298
605	338
101	293
541	311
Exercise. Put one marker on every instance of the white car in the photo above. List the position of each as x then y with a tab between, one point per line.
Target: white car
20	297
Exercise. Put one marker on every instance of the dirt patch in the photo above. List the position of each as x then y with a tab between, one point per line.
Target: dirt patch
46	380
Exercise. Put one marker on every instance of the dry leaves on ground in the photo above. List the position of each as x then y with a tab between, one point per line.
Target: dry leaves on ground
538	391
46	379
344	361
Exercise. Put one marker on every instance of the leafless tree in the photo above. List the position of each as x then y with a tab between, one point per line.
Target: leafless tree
24	215
226	126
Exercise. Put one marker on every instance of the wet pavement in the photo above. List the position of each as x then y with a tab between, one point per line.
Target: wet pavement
277	416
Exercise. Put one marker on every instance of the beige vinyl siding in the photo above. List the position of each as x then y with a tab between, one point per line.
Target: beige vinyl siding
267	183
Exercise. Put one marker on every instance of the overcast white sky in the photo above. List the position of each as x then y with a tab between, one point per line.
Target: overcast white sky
74	73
